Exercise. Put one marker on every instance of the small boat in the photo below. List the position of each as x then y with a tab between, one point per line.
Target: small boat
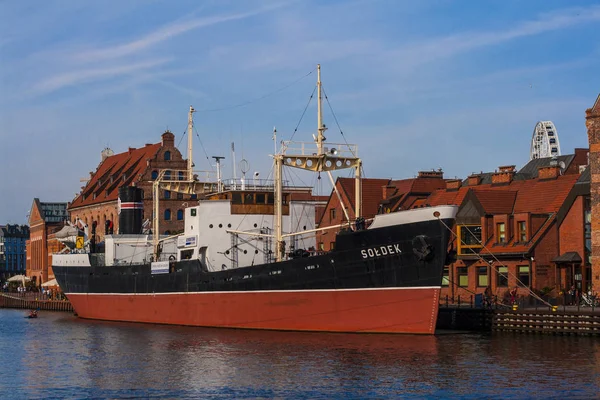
32	314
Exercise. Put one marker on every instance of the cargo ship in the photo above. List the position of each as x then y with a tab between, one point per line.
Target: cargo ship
243	262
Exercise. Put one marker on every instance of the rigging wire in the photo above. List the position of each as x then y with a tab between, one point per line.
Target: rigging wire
304	112
202	145
336	121
258	98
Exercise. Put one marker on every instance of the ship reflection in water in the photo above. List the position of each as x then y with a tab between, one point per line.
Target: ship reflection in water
57	355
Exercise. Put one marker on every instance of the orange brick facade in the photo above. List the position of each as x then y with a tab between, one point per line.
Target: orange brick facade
593	129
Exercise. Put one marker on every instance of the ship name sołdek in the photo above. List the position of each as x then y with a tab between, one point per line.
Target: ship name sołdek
381	251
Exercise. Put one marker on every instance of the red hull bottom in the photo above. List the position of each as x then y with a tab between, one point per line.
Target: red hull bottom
387	310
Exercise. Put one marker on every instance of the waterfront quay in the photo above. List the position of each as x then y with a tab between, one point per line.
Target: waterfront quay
34	301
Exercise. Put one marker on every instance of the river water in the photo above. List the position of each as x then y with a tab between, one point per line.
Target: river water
60	356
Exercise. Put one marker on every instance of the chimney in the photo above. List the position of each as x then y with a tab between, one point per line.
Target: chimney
548	172
504	175
131	149
431	174
474	180
453	184
592	122
388	191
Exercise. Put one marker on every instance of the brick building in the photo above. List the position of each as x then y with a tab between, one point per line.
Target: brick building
44	220
97	201
520	218
593	129
12	250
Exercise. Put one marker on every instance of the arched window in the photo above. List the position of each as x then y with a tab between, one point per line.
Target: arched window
168	175
167	215
154	174
167	194
180	175
167	155
179	215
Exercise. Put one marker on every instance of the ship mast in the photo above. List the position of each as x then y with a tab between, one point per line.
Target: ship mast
159	184
322	160
190	164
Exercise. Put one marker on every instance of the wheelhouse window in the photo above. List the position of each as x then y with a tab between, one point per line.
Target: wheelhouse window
501	232
524	274
522	231
482	277
469	239
502	279
463	276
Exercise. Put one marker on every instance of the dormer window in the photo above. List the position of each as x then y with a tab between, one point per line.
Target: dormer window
522	227
501	233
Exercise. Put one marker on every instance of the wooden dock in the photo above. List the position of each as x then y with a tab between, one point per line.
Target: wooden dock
576	323
8	300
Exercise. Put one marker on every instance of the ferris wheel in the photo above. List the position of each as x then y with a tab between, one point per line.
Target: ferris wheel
544	142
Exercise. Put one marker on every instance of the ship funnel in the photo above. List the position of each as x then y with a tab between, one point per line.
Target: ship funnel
131	210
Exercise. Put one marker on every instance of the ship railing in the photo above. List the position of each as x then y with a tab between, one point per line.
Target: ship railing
310	149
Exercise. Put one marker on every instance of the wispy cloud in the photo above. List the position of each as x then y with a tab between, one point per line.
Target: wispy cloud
86	75
166	33
441	47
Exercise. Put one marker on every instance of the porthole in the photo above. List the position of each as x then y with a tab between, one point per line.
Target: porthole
255	251
226	251
304	227
245	251
220	225
229	225
210	226
255	225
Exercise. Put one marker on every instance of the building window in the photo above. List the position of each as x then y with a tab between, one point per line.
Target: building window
446	276
321	246
167	194
154	175
524	274
179	196
167	175
167	215
502	280
332	246
180	175
332	214
587	231
501	232
463	276
522	232
469	239
167	155
482	277
179	215
194	196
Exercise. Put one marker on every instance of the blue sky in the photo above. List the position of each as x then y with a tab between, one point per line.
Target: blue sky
457	85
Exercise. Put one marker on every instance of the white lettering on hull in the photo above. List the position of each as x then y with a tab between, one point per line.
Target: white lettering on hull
380	251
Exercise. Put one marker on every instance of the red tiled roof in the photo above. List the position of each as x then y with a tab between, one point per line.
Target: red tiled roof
544	196
124	168
496	201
